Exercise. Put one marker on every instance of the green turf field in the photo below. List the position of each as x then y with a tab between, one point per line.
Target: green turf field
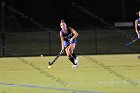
95	74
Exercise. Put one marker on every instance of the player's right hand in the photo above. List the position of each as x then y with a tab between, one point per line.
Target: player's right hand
139	34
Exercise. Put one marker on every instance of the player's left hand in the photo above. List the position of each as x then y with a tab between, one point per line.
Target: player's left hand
71	41
139	35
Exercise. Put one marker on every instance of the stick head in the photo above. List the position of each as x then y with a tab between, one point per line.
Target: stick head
50	63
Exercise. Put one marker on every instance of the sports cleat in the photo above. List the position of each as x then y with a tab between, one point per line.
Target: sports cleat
76	63
75	66
76	60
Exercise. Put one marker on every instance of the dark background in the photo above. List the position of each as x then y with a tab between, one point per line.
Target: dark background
50	12
20	36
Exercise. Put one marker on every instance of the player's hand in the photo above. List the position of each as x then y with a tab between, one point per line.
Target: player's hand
139	35
62	50
71	40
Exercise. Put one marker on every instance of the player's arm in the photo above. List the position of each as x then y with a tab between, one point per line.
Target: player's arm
74	32
62	40
136	26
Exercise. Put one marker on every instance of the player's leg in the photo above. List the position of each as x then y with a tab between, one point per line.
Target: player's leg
69	55
69	51
72	51
72	47
139	35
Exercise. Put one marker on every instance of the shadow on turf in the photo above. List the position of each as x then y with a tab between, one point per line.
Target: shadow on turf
122	77
3	92
60	81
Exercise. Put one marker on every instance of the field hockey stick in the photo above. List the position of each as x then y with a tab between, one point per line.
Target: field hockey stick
61	52
132	41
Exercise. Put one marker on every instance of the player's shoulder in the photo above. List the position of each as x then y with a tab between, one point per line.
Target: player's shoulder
136	20
70	28
60	32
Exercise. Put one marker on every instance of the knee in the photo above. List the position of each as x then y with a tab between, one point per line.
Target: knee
69	56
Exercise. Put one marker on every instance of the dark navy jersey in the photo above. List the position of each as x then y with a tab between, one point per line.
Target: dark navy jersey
138	24
68	35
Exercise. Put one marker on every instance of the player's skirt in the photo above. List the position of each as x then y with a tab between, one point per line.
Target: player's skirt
66	43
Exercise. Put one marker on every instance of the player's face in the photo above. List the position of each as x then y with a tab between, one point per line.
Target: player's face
63	26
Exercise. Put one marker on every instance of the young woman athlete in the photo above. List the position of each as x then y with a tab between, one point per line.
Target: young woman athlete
137	25
68	39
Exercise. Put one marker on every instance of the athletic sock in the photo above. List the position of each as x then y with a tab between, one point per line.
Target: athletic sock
73	54
72	60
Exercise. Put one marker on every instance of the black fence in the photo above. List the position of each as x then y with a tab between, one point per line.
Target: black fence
33	42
